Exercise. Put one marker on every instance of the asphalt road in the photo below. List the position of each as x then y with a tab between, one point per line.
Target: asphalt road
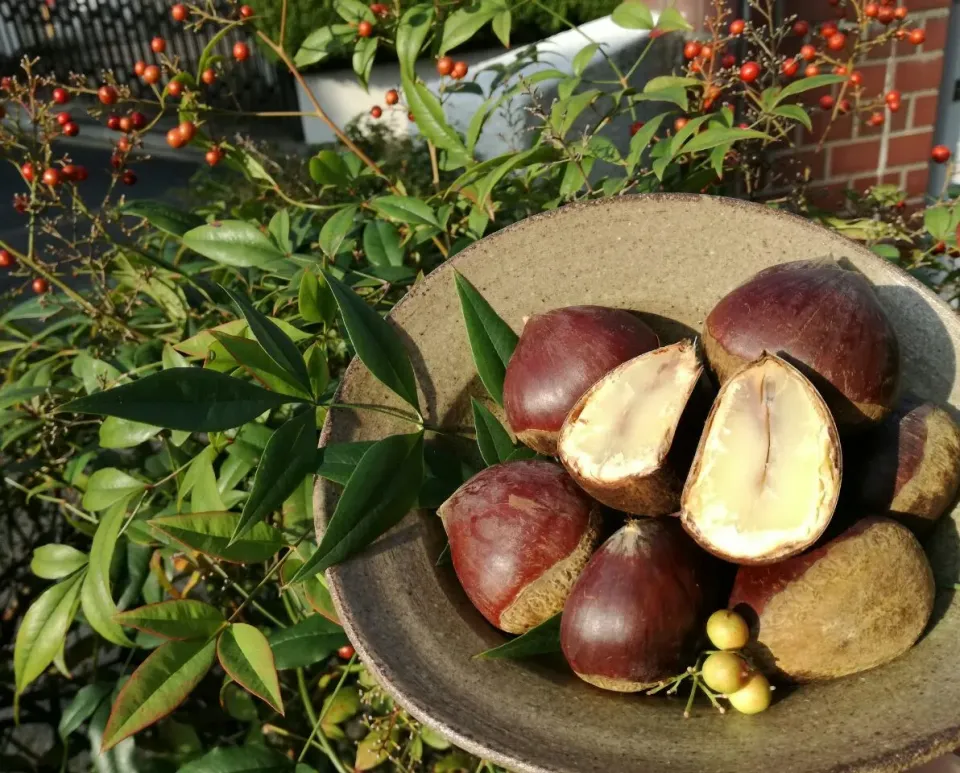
158	178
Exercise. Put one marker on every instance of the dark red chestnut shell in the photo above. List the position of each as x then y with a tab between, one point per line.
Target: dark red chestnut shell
634	615
560	355
520	533
823	318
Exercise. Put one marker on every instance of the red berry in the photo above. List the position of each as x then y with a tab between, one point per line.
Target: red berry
728	61
801	28
680	123
376	111
737	26
790	67
6	259
63	118
129	177
836	41
692	49
188	130
139	68
123	144
840	70
179	12
175	89
900	13
6	83
749	72
871	10
844	105
411	117
113	122
635	127
706	53
828	30
208	76
346	652
116	161
901	34
379	9
125	124
917	36
213	156
175	138
811	70
856	78
459	70
27	172
364	29
246	11
885	14
79	173
940	154
892	96
61	96
107	95
158	45
808	52
392	97
40	285
827	102
241	51
444	65
151	74
20	202
51	177
893	106
69	172
875	119
138	120
70	129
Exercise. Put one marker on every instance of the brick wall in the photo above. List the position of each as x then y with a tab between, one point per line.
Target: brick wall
898	152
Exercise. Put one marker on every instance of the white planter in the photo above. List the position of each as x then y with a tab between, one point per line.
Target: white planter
344	99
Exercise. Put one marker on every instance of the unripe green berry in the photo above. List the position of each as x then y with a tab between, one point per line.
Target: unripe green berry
753	697
727	630
724	672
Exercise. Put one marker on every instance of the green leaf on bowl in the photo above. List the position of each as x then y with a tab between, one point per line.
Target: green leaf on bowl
539	640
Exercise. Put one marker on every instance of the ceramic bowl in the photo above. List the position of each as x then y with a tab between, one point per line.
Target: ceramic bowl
671	257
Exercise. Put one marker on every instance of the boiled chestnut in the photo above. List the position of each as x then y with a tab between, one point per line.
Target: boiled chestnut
766	477
636	611
519	534
909	467
560	355
857	602
617	440
827	321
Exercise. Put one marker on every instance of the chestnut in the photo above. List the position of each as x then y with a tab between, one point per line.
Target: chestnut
857	602
560	355
618	441
520	532
825	319
766	477
909	466
635	613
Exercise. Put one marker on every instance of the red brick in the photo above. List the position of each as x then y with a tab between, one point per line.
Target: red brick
919	75
924	111
896	121
917	180
874	76
862	183
909	149
936	30
840	129
926	5
882	51
855	157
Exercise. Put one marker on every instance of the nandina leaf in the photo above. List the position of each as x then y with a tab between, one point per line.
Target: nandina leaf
315	301
539	640
157	687
274	341
87	700
376	343
290	455
381	243
308	642
493	439
43	629
169	219
405	209
233	243
491	339
191	399
464	23
179	619
252	758
337	461
245	655
209	533
806	84
381	491
96	594
56	561
412	31
632	15
108	486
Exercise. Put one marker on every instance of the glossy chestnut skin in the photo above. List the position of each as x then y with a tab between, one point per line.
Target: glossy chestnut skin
634	615
520	532
823	318
560	355
909	466
858	601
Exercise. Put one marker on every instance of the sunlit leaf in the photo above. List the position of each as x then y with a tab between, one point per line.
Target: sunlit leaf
179	619
209	533
247	658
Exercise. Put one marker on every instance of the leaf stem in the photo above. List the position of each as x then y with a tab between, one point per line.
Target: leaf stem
308	707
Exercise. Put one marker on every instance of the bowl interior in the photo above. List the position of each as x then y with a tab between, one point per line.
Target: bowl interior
671	257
